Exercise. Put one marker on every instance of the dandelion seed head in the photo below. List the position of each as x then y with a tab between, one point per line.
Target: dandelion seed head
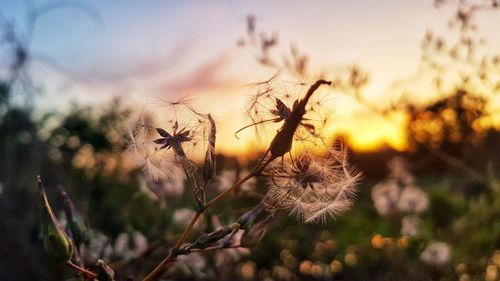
166	136
273	102
313	187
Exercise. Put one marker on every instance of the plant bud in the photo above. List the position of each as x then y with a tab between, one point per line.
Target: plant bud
104	272
254	234
247	219
76	225
208	239
209	166
56	242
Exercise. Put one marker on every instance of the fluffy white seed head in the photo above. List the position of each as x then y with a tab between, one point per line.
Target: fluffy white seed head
166	136
313	187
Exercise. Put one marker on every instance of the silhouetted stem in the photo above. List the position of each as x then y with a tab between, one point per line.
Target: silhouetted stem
172	256
88	274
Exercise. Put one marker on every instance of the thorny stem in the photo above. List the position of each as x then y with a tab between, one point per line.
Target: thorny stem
172	256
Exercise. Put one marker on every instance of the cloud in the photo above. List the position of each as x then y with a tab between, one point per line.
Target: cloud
207	76
118	70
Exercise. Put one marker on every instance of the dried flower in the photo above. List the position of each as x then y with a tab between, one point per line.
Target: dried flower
282	141
162	139
313	187
274	103
209	167
436	254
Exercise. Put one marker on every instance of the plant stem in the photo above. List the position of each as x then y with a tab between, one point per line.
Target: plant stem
229	190
163	265
88	274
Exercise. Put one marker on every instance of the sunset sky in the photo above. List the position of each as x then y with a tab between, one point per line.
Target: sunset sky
143	51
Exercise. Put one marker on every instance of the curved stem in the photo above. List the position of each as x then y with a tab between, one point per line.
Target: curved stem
88	274
160	268
277	119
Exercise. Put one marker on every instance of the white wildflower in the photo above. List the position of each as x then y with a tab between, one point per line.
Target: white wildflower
121	247
385	196
398	193
97	246
140	241
436	254
410	225
413	200
398	168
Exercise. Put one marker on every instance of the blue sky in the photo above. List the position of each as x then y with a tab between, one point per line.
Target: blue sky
166	48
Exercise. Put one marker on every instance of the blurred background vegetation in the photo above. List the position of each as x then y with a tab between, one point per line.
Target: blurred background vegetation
452	156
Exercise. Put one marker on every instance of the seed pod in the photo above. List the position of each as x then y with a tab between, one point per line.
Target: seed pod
104	272
56	242
209	166
76	225
254	234
247	219
208	239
